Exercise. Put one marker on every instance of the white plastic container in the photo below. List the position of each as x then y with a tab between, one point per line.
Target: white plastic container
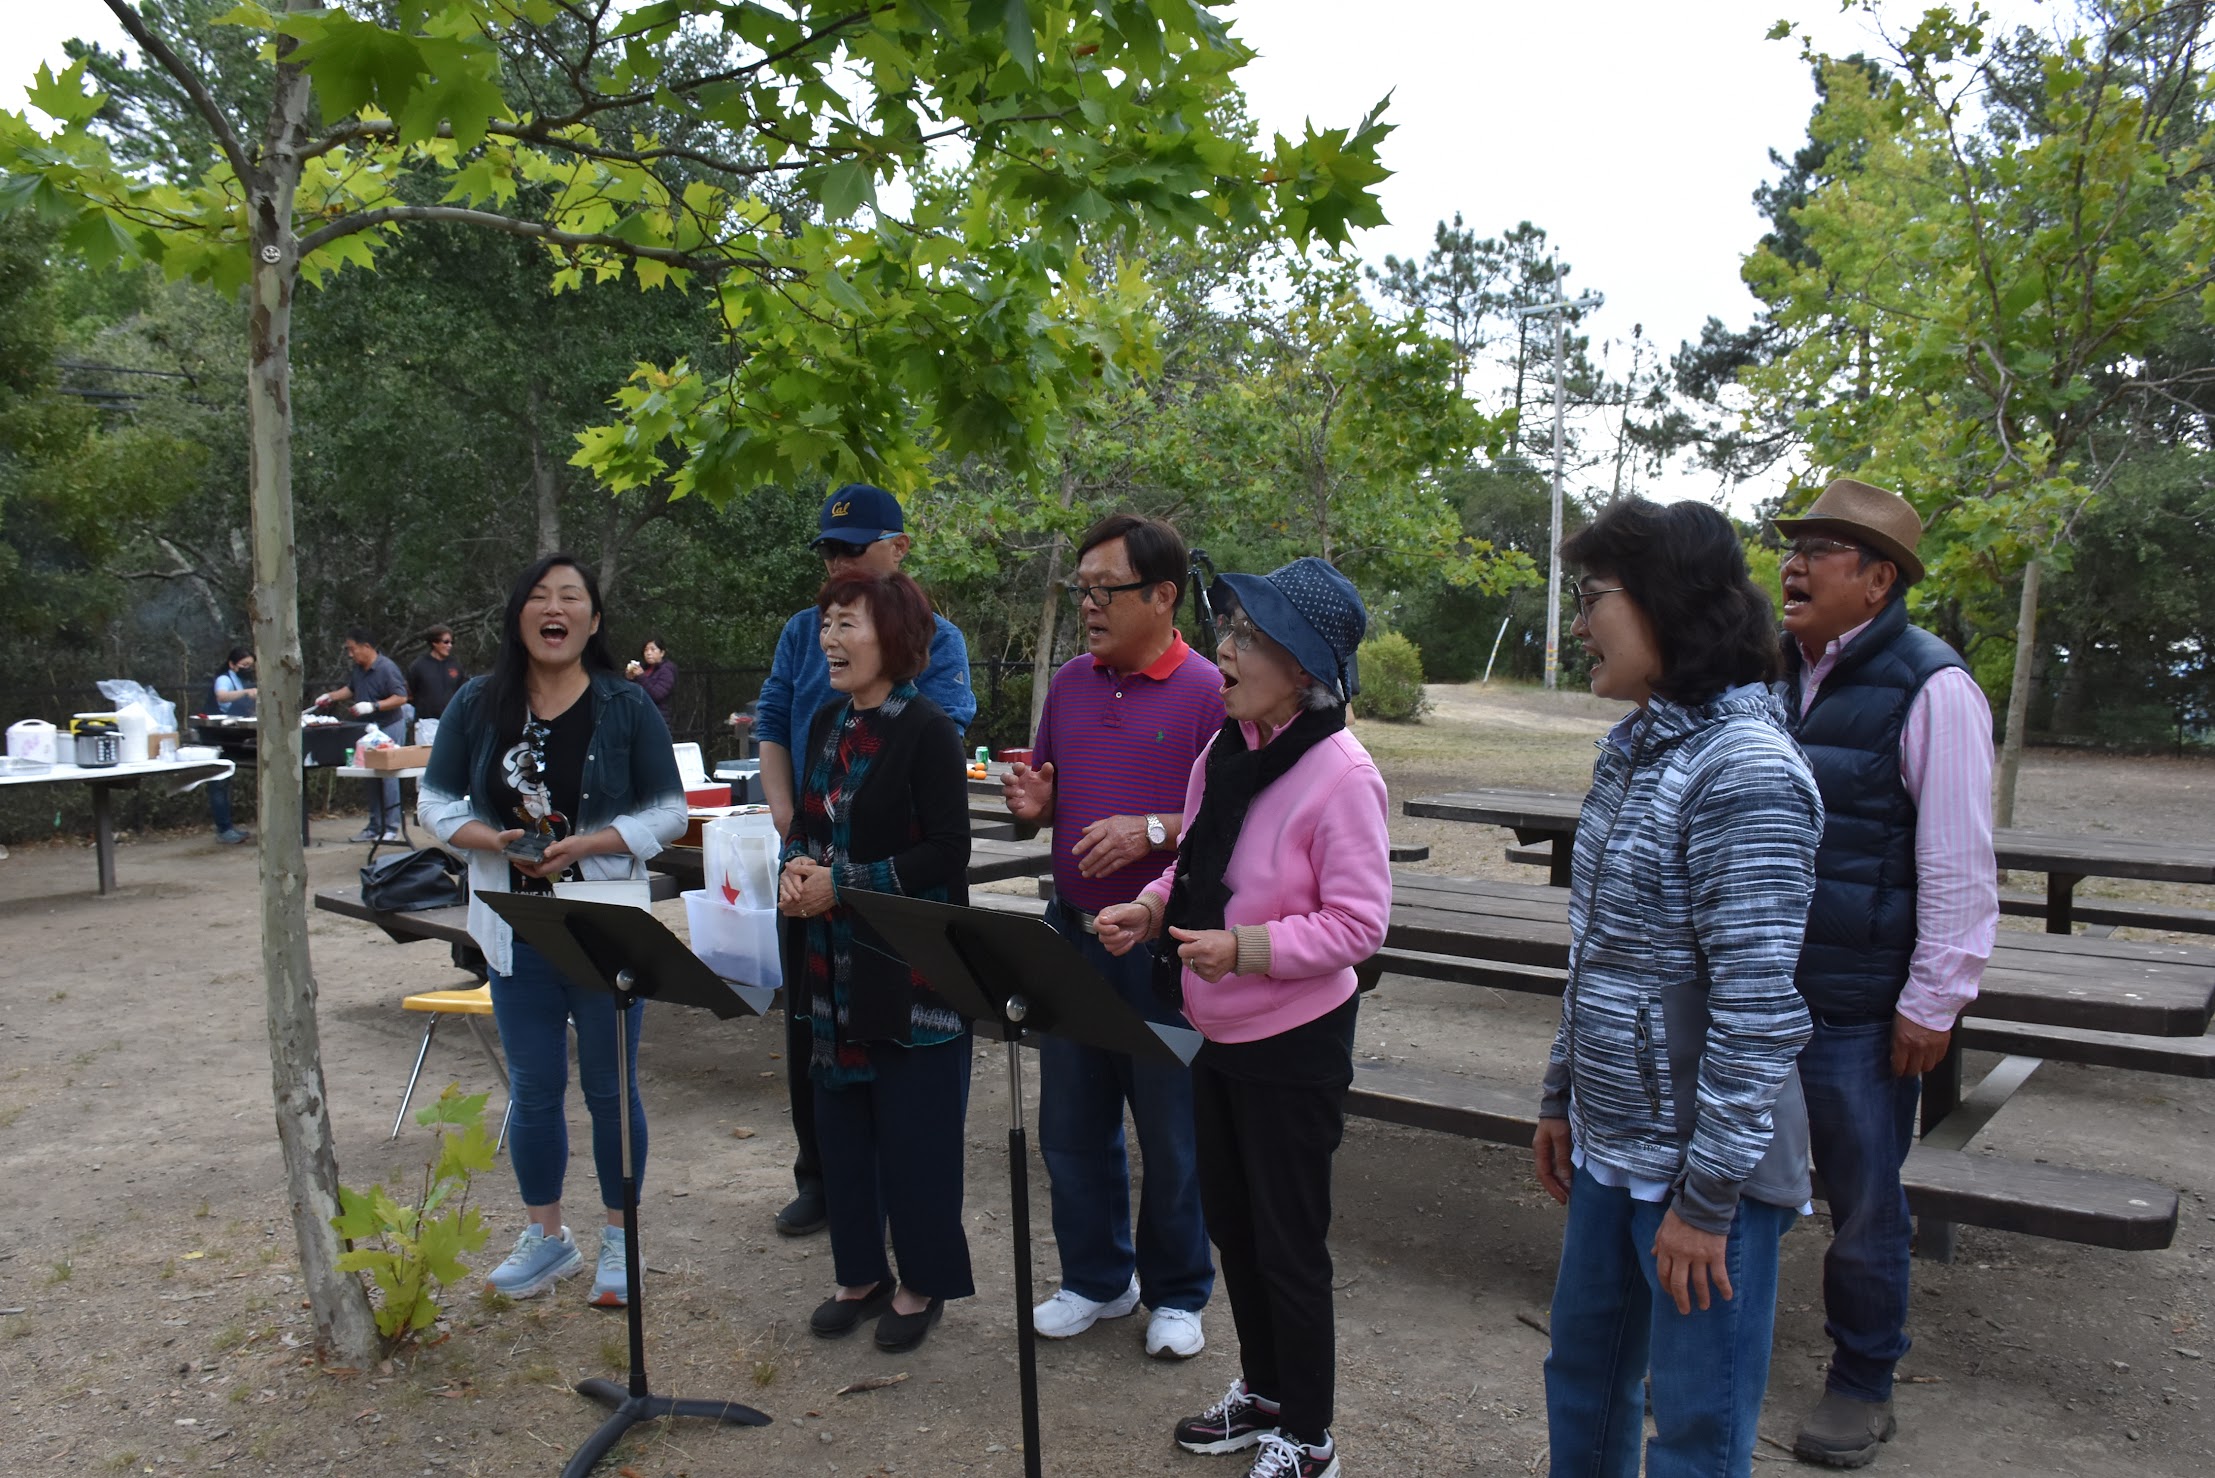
738	944
740	855
33	739
136	726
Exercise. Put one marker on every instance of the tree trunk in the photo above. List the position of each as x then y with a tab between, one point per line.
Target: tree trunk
345	1329
545	486
1049	612
2018	700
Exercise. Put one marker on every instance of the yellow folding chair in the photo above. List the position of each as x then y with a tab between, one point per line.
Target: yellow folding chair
469	1005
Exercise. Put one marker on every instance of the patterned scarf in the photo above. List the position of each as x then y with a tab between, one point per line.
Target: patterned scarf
836	774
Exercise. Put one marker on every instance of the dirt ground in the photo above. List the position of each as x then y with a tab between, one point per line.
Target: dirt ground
150	1315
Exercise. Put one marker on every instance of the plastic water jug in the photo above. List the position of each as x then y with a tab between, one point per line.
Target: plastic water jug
740	856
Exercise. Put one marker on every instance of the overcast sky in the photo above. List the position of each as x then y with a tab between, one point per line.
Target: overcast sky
1635	132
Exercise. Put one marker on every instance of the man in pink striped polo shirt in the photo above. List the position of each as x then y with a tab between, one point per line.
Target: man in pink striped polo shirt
1906	903
1122	725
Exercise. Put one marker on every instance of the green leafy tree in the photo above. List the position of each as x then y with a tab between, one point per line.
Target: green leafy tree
645	143
1974	316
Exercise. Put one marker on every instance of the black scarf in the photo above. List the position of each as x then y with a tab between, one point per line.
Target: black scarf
1235	775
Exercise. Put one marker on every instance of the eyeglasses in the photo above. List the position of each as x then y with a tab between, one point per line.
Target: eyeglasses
1242	631
1587	599
1103	595
1812	549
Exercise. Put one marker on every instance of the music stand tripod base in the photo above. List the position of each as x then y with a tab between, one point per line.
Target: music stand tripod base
628	953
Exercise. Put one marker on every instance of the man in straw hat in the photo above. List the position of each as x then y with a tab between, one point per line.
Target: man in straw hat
1906	903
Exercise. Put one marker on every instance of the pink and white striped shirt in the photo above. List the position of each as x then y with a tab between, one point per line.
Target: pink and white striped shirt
1946	766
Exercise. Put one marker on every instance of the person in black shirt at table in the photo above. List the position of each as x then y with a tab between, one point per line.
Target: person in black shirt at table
377	694
436	676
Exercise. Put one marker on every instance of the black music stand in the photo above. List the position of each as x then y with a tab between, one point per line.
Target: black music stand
1014	976
628	953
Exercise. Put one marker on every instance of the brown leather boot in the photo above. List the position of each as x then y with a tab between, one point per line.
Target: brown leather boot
1844	1433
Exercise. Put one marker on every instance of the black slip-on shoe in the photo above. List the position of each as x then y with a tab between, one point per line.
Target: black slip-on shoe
897	1332
805	1213
835	1316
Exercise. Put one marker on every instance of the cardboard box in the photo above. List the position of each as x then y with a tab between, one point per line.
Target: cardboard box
395	757
154	742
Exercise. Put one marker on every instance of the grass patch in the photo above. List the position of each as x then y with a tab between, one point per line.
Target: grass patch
61	1272
19	1326
122	1462
10	1114
765	1371
229	1338
614	1354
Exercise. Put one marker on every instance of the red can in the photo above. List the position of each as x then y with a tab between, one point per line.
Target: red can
1015	756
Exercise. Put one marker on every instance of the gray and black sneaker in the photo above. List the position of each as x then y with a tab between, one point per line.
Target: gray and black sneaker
1281	1457
1232	1424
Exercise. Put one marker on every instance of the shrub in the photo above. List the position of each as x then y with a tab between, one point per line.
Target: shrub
1391	679
411	1251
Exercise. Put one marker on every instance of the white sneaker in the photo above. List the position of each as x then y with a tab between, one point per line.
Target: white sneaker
1174	1334
1067	1314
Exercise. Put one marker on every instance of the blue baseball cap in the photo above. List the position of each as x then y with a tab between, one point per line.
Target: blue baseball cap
860	513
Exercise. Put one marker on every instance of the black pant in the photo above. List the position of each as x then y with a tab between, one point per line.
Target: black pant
1269	1116
799	1043
895	1157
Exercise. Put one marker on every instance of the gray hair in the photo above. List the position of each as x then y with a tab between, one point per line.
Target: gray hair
1316	694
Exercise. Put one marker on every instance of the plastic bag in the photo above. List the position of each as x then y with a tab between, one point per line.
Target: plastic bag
122	692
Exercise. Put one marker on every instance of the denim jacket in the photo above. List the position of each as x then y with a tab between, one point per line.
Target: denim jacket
1675	1060
630	783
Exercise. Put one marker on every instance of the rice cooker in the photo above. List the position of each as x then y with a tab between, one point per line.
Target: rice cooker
99	742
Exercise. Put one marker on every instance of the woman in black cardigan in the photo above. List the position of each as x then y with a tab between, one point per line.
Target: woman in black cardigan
884	807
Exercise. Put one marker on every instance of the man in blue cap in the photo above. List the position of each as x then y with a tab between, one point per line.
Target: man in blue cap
862	531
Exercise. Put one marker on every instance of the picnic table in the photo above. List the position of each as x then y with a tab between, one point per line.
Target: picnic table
2066	858
2100	1002
174	776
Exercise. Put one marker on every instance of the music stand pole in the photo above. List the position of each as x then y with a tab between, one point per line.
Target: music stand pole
1019	1188
629	954
1013	976
637	1403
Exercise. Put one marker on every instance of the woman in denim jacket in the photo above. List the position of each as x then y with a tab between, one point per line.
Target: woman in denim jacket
552	767
1671	1122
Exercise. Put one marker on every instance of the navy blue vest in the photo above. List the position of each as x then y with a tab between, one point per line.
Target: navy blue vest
1861	924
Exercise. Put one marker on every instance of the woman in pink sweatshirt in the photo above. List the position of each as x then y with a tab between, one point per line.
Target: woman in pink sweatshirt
1281	886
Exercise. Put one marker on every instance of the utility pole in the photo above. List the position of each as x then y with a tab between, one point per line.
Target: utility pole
1558	310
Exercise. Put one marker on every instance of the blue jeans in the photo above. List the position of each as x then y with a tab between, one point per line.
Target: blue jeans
1861	1123
533	1008
1082	1091
1613	1323
219	804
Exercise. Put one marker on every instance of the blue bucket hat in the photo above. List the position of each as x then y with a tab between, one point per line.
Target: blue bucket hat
1310	610
860	513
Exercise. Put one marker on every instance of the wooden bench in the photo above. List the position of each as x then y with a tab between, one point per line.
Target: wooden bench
1949	1185
2117	913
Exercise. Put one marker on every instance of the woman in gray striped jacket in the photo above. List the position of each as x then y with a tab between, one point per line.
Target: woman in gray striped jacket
1671	1122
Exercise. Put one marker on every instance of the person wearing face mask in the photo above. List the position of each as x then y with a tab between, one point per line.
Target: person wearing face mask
883	806
861	530
1671	1121
552	766
235	696
1281	886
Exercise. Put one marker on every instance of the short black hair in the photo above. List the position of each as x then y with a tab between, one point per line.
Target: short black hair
238	655
655	641
438	634
362	635
1683	564
1156	549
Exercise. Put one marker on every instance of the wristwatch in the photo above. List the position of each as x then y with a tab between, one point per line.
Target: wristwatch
1156	834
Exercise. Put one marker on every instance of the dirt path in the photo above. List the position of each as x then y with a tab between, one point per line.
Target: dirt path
145	1242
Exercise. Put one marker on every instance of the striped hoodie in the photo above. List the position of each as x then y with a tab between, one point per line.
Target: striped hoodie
1680	1029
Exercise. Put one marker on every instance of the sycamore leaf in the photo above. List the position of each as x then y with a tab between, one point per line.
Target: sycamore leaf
846	187
1021	40
354	63
64	98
